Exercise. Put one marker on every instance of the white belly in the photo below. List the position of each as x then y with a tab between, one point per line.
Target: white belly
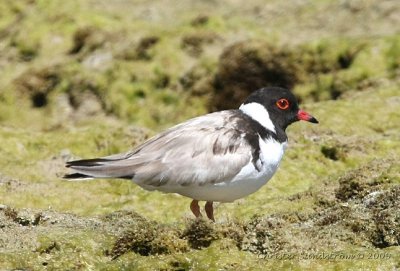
246	182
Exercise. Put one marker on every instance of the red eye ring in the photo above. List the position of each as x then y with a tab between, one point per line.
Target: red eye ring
282	104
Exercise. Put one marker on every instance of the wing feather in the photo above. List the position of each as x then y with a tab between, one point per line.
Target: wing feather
204	150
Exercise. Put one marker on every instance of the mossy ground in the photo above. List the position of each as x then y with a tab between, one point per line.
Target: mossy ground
86	78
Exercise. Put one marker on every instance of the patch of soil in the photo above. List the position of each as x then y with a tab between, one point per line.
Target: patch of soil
37	84
20	229
197	80
339	150
200	20
144	46
193	43
137	50
359	209
200	234
362	181
148	238
88	39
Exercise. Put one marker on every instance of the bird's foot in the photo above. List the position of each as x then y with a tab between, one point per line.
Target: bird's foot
194	206
209	210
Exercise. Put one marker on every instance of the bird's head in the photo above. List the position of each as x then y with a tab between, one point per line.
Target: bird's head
280	104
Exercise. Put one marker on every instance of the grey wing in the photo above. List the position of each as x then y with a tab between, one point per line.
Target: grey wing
191	160
203	150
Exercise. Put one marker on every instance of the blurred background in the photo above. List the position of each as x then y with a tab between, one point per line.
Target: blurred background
87	78
157	63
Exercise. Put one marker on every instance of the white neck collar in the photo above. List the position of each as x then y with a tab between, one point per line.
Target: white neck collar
258	112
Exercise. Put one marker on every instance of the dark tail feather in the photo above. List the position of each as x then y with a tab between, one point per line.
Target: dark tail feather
88	162
77	176
106	167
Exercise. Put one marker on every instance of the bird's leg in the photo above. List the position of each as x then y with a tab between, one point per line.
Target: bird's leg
210	210
194	206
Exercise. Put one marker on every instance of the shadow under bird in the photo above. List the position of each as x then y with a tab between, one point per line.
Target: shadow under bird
218	157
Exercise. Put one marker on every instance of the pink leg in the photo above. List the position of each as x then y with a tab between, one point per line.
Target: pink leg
194	206
210	210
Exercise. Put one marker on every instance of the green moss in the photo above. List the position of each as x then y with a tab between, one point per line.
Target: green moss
392	54
105	73
335	67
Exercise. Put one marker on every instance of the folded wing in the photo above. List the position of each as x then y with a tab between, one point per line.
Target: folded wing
208	149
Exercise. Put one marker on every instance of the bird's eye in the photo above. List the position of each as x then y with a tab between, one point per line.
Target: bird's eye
282	104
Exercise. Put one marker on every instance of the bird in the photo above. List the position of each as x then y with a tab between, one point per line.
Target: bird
217	157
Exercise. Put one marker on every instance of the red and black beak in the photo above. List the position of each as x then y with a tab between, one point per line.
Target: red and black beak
303	115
